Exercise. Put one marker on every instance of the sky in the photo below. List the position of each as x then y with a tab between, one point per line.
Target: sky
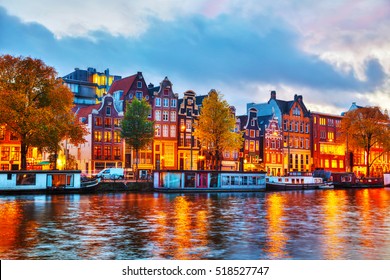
331	52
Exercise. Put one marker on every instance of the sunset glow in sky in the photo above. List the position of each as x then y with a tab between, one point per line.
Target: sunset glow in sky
331	52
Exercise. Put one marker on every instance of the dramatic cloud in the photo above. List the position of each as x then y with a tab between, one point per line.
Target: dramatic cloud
332	52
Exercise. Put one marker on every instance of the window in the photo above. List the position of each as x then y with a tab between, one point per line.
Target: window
117	137
139	84
157	131
97	136
246	144
307	128
97	152
252	122
322	121
285	125
166	91
173	103
158	115
108	111
296	111
117	122
107	136
25	179
173	130
158	102
165	116
98	121
166	102
5	153
341	164
165	130
251	146
330	136
297	127
257	146
117	153
173	116
15	151
107	152
107	122
2	133
139	95
252	133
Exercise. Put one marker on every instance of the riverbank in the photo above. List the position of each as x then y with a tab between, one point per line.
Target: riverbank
124	186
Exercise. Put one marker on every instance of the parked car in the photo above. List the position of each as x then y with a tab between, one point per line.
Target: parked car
111	173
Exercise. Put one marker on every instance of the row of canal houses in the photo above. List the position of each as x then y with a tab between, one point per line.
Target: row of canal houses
279	136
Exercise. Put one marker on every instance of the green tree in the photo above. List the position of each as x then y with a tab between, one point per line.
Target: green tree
365	128
137	130
215	128
35	105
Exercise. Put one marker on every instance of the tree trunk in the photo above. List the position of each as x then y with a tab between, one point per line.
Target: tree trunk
23	154
368	162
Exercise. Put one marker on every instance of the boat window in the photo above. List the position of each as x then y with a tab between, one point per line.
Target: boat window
58	180
279	179
9	176
301	181
25	179
244	180
293	181
286	180
235	180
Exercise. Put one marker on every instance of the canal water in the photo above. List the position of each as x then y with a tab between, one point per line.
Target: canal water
318	224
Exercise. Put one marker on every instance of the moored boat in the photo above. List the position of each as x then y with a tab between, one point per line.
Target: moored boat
207	181
47	181
296	181
350	180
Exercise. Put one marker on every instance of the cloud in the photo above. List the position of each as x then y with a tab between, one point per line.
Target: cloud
199	45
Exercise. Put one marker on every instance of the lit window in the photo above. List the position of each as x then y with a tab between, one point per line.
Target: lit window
165	130
173	116
158	115
173	130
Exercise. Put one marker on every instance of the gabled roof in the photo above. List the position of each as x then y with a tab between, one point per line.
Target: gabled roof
83	112
122	84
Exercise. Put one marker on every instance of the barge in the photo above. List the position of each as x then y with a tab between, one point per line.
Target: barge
207	181
47	181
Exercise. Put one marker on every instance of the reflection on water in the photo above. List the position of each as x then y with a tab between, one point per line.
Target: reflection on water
330	224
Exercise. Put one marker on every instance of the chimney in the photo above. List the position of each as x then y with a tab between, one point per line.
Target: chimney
273	94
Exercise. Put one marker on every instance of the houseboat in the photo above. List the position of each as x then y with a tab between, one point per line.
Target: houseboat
48	181
386	180
207	181
296	181
350	180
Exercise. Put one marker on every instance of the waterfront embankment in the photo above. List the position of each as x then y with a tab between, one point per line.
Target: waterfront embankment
124	186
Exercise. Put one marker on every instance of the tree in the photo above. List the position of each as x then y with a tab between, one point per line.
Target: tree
137	130
35	105
215	128
365	128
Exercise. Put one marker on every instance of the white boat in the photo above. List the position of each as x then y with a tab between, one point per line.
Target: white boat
48	181
207	181
297	181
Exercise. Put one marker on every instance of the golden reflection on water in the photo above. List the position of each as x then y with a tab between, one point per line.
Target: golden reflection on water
276	236
333	224
10	218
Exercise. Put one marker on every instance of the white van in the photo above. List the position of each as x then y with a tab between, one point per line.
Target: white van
111	173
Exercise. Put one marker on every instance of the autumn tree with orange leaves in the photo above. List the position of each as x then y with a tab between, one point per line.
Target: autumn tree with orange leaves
36	106
365	128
